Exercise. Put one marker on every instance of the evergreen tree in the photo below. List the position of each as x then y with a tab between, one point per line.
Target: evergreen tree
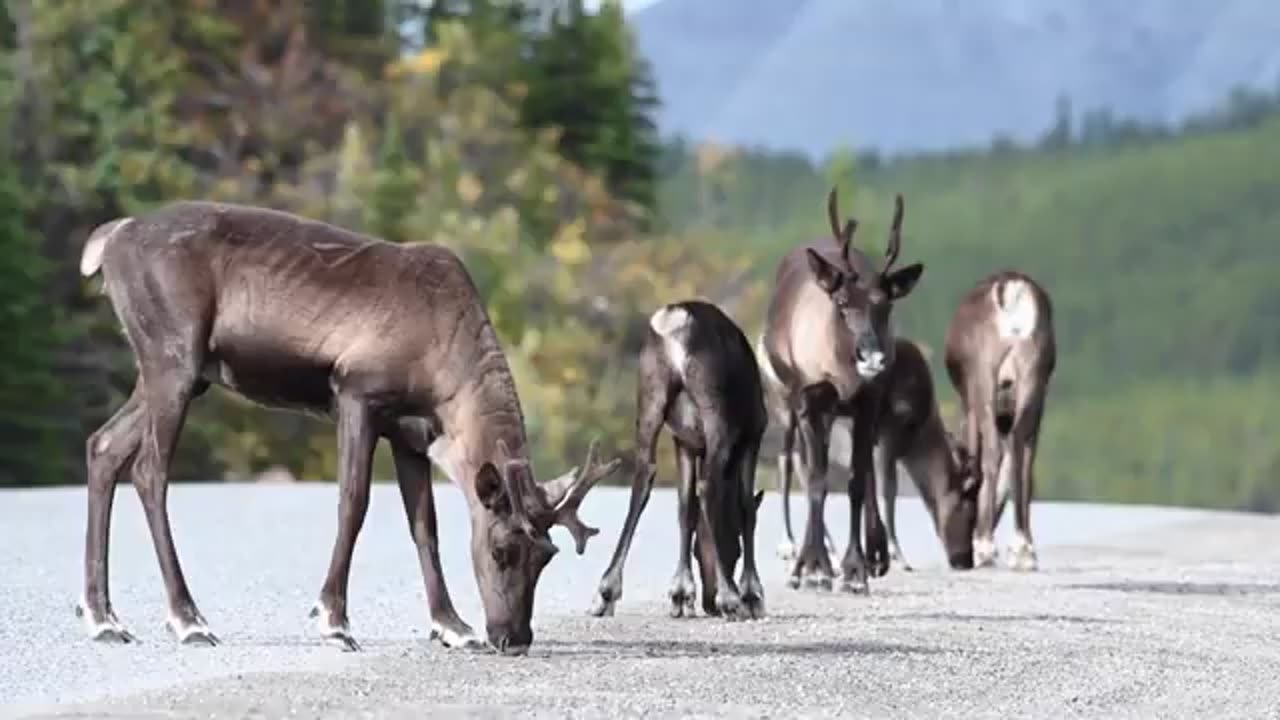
585	77
28	435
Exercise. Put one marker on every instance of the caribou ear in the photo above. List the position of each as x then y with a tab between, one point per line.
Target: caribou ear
900	282
827	275
489	487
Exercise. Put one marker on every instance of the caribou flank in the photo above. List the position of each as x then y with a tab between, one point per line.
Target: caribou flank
1000	356
699	378
390	341
827	343
913	435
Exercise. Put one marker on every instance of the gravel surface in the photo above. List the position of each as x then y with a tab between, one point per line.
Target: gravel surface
1136	612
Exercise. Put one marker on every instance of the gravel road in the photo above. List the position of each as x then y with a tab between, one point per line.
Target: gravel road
1136	612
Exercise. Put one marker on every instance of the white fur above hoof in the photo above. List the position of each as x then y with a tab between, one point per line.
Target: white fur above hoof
105	630
1022	556
984	553
191	633
787	550
333	632
456	640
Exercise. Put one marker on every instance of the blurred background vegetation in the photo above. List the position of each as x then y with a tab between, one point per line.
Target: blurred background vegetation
522	135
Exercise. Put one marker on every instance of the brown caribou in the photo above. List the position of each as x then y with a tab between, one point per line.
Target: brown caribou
699	378
825	349
389	341
1000	355
912	435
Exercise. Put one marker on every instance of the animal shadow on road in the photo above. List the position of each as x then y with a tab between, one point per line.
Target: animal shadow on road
680	648
1183	588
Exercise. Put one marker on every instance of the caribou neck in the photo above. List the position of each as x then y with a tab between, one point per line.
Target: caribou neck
932	468
483	410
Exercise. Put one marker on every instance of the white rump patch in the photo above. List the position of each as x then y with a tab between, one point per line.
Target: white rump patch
1017	315
91	258
762	359
671	323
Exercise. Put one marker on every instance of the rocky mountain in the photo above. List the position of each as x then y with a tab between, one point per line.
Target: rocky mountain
928	74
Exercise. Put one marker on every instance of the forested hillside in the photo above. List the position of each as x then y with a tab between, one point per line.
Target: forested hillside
525	140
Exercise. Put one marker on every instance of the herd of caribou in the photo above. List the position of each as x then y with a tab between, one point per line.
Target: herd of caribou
393	342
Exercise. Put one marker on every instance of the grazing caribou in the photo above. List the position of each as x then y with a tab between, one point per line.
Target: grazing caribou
699	378
1000	356
390	341
912	434
827	344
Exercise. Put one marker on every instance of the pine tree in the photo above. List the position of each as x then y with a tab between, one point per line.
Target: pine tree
586	78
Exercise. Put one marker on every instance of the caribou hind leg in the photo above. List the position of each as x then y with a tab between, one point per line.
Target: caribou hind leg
749	583
1022	455
683	590
108	454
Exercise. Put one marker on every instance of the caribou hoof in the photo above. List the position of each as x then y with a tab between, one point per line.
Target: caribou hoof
856	585
192	632
682	603
107	629
984	553
1022	557
753	605
787	551
730	606
331	631
104	627
461	637
818	580
605	602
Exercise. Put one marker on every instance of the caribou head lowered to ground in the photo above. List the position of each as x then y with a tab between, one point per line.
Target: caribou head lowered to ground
390	341
827	343
1000	356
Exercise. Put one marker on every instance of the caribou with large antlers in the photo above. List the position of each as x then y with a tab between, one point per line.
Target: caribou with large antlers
827	343
390	341
1000	355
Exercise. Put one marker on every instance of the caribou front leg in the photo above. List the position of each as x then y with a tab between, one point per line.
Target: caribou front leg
356	441
413	473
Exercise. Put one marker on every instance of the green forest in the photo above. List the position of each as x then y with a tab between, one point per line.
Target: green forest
523	137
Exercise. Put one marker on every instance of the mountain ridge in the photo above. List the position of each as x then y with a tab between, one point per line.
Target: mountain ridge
919	75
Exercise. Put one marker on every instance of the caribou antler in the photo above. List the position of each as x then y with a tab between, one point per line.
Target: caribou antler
843	236
563	495
895	235
556	501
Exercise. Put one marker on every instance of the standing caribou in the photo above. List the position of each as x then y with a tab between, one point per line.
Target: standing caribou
390	341
699	378
912	434
827	343
1000	355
